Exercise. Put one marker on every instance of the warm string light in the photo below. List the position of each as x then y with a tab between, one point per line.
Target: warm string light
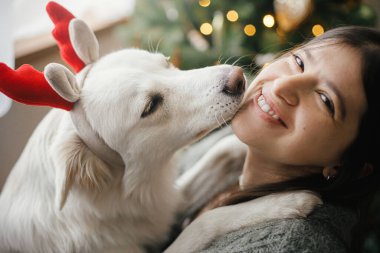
268	20
204	3
249	30
317	30
206	28
232	16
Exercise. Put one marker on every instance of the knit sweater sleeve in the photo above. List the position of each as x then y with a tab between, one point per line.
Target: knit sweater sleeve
282	236
327	229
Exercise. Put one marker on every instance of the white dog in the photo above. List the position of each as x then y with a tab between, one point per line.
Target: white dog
99	178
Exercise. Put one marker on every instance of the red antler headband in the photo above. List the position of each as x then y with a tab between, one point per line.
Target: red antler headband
58	87
28	85
61	19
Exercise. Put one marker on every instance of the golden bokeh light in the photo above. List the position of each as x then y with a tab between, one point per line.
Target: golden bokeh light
232	15
317	30
268	20
249	30
206	28
204	3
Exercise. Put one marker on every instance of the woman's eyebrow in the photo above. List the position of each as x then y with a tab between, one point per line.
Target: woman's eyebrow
309	56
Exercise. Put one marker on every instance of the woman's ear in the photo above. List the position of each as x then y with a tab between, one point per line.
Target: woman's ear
330	172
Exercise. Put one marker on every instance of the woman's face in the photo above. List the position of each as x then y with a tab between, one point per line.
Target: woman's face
304	109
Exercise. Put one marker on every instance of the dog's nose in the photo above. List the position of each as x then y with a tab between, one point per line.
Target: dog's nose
235	84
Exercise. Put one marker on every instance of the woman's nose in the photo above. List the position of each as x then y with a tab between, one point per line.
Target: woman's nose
292	88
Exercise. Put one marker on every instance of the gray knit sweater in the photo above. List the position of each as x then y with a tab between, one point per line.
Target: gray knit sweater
327	229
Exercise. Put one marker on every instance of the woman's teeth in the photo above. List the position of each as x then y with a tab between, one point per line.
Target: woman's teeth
265	107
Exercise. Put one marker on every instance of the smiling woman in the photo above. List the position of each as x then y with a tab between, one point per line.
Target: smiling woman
294	90
309	121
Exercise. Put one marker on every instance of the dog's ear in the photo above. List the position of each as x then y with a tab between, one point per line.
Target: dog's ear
81	169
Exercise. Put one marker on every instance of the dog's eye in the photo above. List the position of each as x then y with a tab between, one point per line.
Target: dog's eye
154	102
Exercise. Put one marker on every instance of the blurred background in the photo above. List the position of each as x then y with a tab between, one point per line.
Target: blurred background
197	33
194	33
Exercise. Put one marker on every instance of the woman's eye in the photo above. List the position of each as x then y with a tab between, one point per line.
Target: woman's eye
328	102
299	62
154	102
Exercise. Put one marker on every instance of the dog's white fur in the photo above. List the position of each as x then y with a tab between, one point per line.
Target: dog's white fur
60	197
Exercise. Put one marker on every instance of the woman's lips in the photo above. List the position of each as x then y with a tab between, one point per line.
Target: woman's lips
267	111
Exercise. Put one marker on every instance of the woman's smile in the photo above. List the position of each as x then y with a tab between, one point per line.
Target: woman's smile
266	110
265	107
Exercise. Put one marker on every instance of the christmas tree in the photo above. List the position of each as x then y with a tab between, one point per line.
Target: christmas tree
197	33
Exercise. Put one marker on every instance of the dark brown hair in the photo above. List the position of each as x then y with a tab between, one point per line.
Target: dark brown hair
359	175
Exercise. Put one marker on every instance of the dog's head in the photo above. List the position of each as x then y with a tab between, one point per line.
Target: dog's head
131	108
145	109
140	103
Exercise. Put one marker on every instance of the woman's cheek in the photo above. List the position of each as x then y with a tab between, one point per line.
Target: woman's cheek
239	126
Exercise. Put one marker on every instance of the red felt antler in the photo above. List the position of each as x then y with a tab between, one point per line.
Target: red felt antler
29	86
61	18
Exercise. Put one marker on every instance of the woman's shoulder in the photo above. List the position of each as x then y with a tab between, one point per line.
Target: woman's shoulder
327	229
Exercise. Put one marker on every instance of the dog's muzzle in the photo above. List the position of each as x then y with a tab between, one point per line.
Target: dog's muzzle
235	84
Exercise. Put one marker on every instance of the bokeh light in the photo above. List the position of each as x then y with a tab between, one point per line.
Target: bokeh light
249	30
232	15
206	28
268	20
317	30
204	3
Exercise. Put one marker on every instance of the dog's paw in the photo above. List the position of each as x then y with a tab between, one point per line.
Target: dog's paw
305	202
294	204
